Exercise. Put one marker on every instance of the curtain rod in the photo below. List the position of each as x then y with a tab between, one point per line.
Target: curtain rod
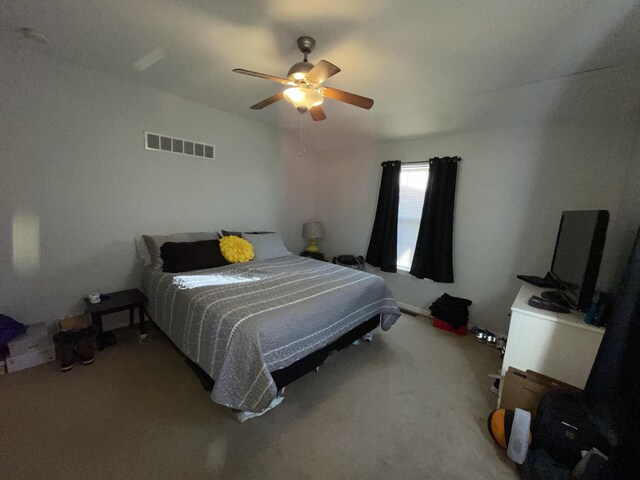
457	159
422	162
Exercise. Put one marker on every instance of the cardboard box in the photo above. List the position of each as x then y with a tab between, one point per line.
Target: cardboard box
525	389
35	338
31	359
74	323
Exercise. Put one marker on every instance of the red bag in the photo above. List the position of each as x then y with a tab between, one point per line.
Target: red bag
445	326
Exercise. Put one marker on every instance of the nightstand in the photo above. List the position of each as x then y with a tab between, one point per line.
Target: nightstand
118	302
314	255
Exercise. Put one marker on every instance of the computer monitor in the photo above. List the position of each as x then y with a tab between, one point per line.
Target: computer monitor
577	256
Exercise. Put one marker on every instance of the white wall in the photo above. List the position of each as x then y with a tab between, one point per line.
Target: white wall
630	202
512	186
78	187
298	186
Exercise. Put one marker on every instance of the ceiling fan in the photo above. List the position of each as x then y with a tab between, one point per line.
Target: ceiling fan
305	80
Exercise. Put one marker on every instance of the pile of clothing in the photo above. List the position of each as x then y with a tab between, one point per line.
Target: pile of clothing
9	329
451	313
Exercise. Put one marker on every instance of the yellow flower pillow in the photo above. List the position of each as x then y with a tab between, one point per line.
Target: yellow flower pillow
235	249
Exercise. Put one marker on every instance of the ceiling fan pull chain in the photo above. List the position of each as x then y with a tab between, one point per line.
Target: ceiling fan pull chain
303	136
300	153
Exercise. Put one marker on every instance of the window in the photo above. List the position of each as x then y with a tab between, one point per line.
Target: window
413	185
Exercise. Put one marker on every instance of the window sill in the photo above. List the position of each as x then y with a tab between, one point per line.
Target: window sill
399	271
403	272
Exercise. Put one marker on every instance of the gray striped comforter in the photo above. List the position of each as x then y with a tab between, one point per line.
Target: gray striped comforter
242	321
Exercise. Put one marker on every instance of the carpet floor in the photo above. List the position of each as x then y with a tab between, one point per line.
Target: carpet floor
412	404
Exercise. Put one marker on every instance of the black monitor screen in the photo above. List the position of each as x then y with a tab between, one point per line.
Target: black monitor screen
576	260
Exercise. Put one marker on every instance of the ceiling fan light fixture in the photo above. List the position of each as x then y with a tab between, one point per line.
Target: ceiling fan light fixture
299	70
303	98
307	92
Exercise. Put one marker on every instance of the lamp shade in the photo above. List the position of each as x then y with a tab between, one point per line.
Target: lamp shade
312	230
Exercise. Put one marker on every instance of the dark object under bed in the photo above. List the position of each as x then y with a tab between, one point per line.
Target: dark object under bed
286	375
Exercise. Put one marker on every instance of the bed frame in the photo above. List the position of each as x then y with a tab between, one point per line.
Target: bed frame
286	375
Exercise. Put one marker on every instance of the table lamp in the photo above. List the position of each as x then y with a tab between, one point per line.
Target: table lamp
312	231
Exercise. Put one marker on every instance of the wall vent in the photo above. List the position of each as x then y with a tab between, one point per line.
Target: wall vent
181	146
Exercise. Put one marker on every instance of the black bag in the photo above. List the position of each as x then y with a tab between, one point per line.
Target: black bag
350	261
539	465
562	427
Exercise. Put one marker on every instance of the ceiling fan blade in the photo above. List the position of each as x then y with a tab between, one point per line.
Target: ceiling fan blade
317	113
281	80
267	101
346	97
322	71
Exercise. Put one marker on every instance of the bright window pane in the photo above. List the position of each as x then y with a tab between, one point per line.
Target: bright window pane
413	184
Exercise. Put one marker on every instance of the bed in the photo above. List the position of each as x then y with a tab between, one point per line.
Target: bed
242	322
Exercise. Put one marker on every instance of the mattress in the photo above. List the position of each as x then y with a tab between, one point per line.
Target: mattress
242	321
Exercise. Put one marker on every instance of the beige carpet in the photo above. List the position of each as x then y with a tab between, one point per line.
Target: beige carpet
412	404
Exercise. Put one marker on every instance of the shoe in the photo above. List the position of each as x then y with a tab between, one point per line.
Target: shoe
479	333
86	344
65	342
495	386
105	339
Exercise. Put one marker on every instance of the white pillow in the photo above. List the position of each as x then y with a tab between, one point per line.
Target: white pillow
143	251
266	245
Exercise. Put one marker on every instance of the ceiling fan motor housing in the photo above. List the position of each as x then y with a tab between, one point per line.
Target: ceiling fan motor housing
299	70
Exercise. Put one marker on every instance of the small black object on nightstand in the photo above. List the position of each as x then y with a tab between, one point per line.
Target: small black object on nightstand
314	255
116	302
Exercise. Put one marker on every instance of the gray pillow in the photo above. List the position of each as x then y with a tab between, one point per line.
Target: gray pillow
154	242
226	233
266	245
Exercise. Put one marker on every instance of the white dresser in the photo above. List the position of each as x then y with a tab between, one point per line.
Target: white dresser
559	345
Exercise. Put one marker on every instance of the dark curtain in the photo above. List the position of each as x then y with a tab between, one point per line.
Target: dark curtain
613	387
433	257
383	245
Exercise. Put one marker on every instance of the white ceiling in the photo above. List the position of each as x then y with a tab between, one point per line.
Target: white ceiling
432	67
